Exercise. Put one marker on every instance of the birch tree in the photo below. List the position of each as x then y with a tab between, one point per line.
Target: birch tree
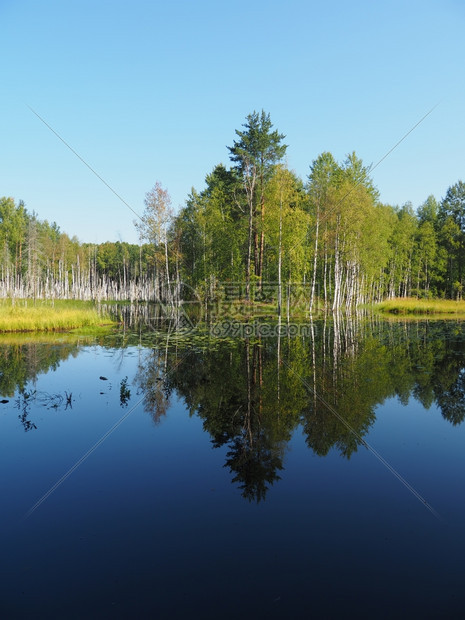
154	224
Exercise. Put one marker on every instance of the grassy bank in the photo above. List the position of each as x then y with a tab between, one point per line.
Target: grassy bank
45	315
422	306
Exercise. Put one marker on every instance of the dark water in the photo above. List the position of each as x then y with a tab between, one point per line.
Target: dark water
181	477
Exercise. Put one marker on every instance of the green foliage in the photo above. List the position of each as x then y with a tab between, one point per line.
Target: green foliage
257	223
451	232
428	211
286	209
255	154
258	148
358	174
253	223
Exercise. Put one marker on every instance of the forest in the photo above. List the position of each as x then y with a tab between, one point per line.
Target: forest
257	224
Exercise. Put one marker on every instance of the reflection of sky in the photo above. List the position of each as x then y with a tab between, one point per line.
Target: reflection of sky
427	446
152	511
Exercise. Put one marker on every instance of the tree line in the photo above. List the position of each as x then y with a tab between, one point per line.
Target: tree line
254	223
38	260
258	222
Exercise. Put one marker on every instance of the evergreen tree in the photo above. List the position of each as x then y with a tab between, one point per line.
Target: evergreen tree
254	154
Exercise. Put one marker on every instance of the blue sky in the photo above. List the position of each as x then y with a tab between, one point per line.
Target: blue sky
153	91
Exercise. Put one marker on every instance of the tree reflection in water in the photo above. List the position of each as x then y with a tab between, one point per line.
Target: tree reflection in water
21	362
252	394
251	401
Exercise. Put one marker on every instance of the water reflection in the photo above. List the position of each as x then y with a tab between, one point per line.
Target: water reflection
21	361
252	395
151	380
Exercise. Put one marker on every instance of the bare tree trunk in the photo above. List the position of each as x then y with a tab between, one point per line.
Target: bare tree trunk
167	268
336	272
325	268
262	240
280	291
315	257
249	253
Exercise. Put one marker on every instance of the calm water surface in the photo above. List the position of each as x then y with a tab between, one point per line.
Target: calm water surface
236	480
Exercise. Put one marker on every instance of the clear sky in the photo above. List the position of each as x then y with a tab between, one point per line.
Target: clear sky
153	91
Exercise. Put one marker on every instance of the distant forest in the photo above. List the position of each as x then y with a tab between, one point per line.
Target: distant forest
255	223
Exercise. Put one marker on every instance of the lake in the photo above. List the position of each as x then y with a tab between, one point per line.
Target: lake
260	473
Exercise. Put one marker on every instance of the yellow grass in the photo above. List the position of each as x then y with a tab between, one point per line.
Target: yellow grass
411	305
29	316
